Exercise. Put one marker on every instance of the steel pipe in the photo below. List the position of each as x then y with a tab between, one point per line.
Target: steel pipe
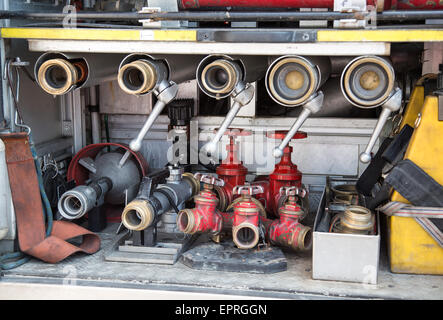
387	4
146	208
392	15
242	95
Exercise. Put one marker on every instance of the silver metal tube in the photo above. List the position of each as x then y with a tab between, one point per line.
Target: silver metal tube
278	152
164	97
95	116
95	128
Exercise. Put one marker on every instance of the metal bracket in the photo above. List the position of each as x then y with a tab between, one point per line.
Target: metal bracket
149	23
345	6
152	179
371	18
88	163
251	36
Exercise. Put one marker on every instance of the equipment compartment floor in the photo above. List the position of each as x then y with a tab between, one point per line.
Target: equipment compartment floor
294	283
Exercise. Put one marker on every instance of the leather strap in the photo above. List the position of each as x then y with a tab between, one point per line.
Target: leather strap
29	210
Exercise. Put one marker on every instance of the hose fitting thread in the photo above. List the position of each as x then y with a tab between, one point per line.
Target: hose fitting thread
138	215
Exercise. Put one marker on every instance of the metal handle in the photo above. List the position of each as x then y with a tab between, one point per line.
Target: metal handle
312	106
164	97
293	191
208	179
248	190
242	98
391	105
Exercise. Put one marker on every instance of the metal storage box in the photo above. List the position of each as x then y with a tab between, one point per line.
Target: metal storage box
344	257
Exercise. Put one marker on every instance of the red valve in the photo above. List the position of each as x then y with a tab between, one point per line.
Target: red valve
245	227
232	170
286	173
288	231
205	217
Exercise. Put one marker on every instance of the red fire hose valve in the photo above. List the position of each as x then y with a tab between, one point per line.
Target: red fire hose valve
288	231
232	170
286	173
204	218
245	227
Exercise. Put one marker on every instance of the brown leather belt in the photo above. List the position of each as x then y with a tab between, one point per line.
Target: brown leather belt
29	210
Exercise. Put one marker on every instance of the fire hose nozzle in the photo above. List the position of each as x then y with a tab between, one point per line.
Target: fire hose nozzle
393	104
311	107
75	203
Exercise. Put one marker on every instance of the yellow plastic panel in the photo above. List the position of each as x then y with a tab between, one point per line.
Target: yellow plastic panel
67	34
413	250
380	35
415	104
99	34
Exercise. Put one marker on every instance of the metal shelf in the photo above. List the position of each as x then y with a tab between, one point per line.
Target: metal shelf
236	35
214	41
